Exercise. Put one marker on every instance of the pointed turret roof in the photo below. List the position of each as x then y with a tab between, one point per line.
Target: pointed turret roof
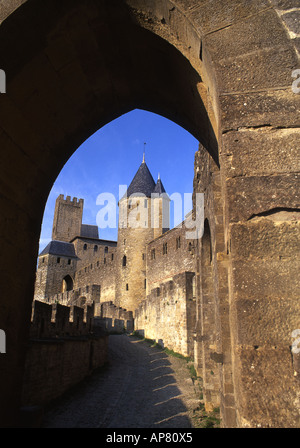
142	182
159	188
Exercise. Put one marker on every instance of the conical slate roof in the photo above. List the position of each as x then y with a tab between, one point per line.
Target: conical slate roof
159	188
142	183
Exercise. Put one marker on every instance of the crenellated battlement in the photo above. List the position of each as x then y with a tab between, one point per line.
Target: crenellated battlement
114	318
55	320
68	200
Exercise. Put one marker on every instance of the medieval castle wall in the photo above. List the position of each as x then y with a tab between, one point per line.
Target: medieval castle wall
149	271
64	348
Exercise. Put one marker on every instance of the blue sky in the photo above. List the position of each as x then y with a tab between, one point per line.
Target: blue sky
111	157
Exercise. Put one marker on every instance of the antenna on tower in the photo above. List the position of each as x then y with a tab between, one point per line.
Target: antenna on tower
144	152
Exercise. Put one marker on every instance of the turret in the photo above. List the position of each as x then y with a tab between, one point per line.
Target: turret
140	221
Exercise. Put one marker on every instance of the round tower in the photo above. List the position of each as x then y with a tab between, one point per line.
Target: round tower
134	233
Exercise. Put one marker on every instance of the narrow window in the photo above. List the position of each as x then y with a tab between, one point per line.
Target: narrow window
145	283
58	260
69	261
143	256
126	286
153	254
124	261
95	248
178	243
106	250
104	261
165	248
112	257
85	247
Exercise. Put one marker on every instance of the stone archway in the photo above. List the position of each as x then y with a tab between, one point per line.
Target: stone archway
67	283
221	72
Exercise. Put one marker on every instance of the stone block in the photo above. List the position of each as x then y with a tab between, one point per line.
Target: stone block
213	15
272	108
262	151
249	196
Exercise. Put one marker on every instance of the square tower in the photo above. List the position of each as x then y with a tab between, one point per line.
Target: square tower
67	218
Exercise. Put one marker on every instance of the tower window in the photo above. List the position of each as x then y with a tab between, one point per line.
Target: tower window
58	260
95	248
106	250
104	261
165	248
153	254
112	257
85	247
178	243
145	283
69	261
127	287
124	262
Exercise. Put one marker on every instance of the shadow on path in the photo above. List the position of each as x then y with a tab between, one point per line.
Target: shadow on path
139	388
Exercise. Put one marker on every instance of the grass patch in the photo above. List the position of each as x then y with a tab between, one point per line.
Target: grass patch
203	419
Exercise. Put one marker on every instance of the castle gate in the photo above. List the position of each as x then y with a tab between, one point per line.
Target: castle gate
224	72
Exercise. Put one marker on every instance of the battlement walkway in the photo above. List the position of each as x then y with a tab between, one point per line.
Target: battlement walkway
141	387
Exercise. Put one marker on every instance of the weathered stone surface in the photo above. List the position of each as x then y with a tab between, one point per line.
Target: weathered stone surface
278	151
254	195
257	365
271	108
213	15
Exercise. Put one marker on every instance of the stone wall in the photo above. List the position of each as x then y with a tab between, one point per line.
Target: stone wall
63	350
168	314
168	255
96	265
113	318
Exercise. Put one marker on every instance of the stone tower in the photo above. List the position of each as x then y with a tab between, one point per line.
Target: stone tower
56	269
67	218
134	233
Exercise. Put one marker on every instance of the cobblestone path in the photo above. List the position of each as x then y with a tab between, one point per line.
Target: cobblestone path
142	387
